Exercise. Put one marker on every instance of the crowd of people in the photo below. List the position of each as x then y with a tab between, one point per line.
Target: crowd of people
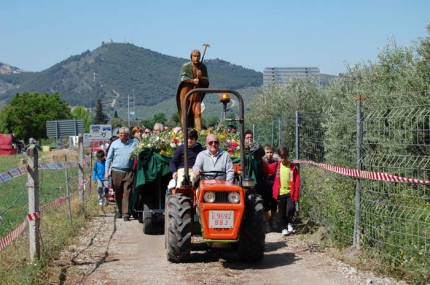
279	185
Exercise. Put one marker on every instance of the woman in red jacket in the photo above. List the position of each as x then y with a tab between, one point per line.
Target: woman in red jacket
286	188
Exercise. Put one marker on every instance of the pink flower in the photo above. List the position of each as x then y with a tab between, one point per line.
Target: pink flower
230	150
177	129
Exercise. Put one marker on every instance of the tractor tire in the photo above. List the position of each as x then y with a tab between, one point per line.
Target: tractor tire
252	235
166	222
147	220
179	219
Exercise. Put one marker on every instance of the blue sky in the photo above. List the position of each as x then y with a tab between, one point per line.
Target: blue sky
34	35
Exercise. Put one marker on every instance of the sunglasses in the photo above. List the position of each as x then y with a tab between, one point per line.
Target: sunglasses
213	142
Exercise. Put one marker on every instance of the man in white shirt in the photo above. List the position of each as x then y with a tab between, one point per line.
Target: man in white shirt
214	159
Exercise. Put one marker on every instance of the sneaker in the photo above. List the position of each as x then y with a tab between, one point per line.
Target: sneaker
285	232
267	228
101	203
291	229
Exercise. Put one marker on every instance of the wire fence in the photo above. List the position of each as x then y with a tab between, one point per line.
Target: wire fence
365	176
62	182
58	182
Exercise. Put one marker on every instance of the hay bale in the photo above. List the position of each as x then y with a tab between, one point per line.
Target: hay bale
59	156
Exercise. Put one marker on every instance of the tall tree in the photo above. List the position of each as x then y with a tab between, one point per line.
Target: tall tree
116	122
28	113
159	117
3	120
100	116
423	63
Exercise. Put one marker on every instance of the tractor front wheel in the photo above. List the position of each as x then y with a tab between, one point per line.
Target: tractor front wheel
252	235
179	227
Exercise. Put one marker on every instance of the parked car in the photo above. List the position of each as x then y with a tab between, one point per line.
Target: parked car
96	145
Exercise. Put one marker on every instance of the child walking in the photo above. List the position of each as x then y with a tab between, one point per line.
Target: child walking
286	188
99	176
270	203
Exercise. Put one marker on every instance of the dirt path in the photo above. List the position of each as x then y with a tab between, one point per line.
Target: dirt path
118	252
114	100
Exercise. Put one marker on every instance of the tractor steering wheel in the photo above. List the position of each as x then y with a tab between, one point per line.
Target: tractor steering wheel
211	174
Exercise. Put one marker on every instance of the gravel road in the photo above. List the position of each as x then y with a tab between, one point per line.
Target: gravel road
113	251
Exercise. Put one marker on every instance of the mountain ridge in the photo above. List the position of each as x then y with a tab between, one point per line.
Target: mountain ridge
140	76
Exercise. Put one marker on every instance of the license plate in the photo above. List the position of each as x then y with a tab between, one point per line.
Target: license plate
221	219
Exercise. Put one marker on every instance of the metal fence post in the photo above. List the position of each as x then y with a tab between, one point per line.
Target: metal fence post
67	189
297	142
357	222
273	132
81	172
279	132
33	201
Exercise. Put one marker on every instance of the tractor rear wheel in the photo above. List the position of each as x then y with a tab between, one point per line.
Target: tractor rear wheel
252	235
147	219
179	227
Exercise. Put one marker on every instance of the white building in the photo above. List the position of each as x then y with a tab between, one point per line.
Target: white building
279	75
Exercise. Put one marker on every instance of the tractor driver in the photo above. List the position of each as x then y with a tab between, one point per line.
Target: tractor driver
214	159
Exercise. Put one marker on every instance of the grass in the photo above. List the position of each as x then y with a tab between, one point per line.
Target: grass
56	229
394	236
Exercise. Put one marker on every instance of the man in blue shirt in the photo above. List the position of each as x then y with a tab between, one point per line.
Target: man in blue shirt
118	158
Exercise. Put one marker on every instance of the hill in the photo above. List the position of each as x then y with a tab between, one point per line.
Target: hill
122	75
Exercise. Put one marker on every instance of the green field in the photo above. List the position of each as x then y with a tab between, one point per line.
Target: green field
57	228
14	194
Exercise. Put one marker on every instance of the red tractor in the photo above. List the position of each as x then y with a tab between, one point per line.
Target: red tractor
226	214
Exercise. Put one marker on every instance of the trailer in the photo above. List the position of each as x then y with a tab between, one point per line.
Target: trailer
7	147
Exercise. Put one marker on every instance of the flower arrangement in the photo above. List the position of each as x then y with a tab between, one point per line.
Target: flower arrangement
167	142
228	141
164	143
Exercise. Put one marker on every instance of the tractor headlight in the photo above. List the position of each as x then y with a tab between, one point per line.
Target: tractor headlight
234	197
209	197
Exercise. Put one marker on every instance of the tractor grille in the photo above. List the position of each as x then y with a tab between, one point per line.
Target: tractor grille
221	197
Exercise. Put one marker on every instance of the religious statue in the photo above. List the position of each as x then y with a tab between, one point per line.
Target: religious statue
194	74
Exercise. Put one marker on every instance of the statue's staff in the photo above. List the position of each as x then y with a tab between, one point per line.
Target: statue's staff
206	45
